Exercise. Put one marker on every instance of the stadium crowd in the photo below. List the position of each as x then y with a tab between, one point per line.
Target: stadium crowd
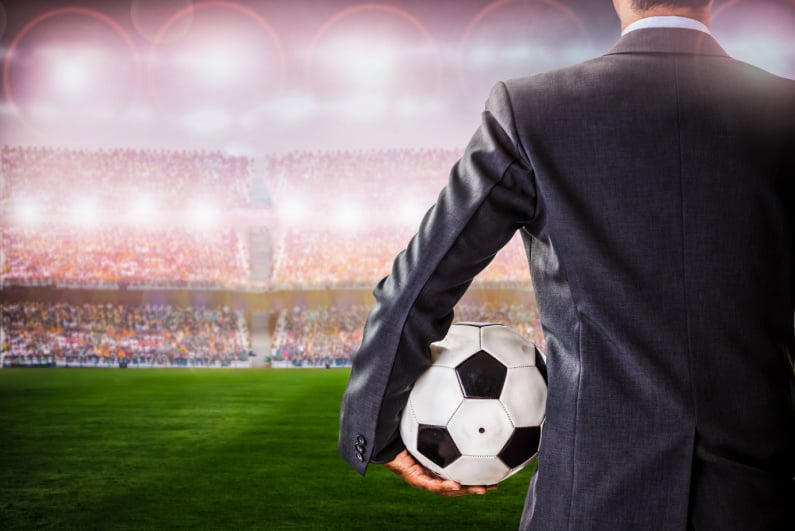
330	336
58	178
323	337
371	178
120	256
336	258
97	335
377	184
385	191
109	335
331	258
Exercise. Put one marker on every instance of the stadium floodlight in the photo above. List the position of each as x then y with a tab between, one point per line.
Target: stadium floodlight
364	64
371	65
86	213
72	76
27	213
203	215
349	216
293	211
142	211
219	64
76	70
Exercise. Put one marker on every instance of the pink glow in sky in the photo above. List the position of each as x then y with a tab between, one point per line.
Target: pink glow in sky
257	77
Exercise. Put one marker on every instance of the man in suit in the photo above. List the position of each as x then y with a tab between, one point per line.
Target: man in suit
654	189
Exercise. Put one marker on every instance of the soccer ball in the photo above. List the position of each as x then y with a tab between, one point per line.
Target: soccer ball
475	415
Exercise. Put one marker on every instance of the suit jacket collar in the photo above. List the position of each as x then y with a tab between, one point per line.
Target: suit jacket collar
667	41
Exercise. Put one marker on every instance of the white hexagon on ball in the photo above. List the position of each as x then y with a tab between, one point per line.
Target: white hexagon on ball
455	348
408	428
438	386
508	346
480	427
471	470
524	396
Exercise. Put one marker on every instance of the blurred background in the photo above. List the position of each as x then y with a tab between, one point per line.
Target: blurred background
264	159
269	77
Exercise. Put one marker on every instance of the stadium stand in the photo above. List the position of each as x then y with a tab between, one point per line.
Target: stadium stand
329	337
324	337
287	255
118	256
58	178
331	258
89	335
256	245
374	179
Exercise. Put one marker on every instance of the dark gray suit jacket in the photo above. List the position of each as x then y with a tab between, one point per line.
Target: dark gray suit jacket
654	189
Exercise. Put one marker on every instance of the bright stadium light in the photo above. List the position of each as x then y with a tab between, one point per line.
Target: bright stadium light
203	215
27	213
364	63
86	213
72	76
222	67
293	210
349	216
142	211
73	71
219	64
371	65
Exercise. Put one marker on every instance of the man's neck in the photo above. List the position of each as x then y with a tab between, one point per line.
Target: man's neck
631	15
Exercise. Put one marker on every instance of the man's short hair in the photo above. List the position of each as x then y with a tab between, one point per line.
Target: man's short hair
643	5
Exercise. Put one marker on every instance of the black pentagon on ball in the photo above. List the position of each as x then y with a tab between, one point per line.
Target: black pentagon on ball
522	445
435	443
481	376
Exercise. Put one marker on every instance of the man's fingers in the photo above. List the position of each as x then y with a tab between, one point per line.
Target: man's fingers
420	477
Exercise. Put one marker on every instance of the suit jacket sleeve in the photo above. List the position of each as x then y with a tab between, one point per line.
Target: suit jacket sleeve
490	194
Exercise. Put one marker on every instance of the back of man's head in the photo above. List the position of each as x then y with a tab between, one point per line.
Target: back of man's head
645	5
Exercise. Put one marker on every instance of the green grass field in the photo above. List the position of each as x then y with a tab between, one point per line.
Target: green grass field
203	449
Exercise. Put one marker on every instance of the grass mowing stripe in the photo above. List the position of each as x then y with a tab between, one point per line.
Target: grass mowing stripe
203	449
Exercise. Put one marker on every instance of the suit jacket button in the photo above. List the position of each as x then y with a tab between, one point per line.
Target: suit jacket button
359	448
359	456
361	440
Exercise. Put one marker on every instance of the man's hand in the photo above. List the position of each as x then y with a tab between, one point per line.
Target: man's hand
420	477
